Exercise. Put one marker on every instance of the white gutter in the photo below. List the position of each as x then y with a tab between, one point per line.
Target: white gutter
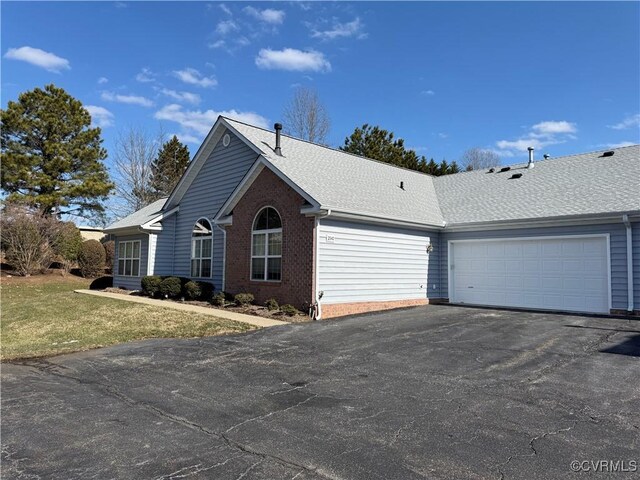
317	262
627	224
224	254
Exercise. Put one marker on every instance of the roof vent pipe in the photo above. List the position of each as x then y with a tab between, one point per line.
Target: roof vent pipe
530	164
546	156
278	127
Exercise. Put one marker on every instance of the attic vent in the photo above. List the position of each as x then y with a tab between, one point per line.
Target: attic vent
608	154
516	175
226	140
491	170
505	169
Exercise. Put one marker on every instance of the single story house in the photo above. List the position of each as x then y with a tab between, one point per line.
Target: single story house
265	213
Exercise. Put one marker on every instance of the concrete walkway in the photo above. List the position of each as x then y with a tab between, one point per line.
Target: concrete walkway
185	307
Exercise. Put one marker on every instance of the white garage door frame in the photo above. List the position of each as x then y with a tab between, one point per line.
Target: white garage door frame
451	243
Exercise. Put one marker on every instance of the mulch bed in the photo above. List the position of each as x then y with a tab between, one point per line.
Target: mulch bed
255	310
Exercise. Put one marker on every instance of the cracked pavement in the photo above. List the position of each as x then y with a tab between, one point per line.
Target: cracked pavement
428	392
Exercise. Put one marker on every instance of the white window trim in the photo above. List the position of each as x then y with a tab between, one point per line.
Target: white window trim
132	258
193	249
266	255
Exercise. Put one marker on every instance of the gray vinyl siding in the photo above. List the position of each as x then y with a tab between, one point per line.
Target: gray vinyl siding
361	262
219	176
618	245
131	283
636	265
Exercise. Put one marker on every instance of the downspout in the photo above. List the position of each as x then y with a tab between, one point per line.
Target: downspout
224	254
317	263
627	224
173	246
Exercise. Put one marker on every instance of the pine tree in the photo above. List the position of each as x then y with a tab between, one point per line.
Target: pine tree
51	157
168	167
381	145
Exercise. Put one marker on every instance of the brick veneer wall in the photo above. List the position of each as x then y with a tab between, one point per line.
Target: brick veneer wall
342	309
298	238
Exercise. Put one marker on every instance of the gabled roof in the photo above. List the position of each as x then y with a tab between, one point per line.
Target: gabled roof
348	183
582	185
140	217
574	185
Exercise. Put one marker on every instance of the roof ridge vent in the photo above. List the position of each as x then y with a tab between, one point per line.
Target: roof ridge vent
608	153
505	169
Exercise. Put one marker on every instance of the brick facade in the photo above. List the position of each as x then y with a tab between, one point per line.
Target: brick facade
298	238
342	309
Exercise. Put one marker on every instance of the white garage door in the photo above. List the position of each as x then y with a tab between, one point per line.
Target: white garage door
568	273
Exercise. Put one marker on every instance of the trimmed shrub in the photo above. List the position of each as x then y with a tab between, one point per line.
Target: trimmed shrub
91	259
170	287
242	299
67	242
206	290
192	290
289	310
218	299
271	304
109	254
150	285
101	283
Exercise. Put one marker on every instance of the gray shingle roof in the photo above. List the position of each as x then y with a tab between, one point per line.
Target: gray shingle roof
584	184
349	183
140	217
564	186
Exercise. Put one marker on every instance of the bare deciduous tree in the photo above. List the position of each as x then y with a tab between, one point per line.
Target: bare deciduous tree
478	158
135	152
305	117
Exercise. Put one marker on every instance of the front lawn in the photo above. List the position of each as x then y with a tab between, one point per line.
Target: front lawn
42	316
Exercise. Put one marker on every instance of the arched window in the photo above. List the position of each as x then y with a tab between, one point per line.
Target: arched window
201	249
266	246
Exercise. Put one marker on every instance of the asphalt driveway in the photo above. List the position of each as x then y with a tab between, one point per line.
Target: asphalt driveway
427	392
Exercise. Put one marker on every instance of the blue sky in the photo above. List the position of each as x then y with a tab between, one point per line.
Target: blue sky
563	77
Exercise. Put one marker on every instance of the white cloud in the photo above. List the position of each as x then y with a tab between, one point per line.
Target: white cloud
268	15
242	41
427	92
522	144
631	121
225	9
540	135
186	138
620	144
100	116
47	60
200	122
102	80
146	76
552	127
194	77
226	26
128	99
188	97
293	60
443	135
341	30
218	44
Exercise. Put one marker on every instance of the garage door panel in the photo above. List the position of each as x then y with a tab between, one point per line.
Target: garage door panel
554	273
551	265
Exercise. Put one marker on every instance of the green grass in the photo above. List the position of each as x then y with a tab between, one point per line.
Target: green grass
42	316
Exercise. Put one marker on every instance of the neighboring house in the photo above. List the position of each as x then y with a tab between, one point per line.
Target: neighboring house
294	220
91	233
